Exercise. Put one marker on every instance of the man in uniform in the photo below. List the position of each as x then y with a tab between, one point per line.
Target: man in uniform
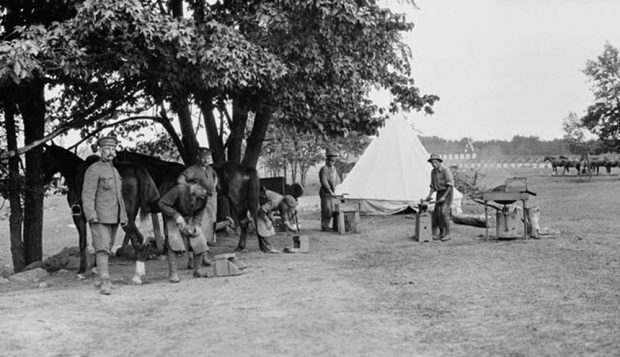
104	208
183	208
442	182
203	173
329	179
285	205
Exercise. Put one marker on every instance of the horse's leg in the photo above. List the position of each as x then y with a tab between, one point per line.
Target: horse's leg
141	248
159	237
243	224
80	224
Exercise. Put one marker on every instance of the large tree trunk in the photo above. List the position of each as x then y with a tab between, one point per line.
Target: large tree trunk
237	131
188	135
215	141
32	107
16	215
257	136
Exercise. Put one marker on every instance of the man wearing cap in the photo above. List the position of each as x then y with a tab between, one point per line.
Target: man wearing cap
286	205
103	205
203	173
442	182
183	208
329	179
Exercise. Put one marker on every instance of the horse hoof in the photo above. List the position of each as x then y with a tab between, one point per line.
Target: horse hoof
136	280
81	277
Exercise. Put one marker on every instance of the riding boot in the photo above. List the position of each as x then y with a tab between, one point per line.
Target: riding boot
173	274
198	272
206	261
104	274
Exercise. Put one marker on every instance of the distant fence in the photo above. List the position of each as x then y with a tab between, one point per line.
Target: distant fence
506	162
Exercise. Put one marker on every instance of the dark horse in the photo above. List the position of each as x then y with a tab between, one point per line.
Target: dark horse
239	185
556	162
139	193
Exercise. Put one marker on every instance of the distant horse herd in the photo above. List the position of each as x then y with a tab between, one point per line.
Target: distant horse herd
585	164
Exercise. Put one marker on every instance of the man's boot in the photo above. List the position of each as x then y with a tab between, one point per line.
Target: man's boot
104	274
198	272
173	274
206	261
446	235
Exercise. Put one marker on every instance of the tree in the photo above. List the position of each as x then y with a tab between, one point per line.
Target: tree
575	136
603	116
23	96
287	151
307	64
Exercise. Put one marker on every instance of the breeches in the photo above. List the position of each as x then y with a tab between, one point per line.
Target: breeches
179	242
208	220
327	209
103	236
441	213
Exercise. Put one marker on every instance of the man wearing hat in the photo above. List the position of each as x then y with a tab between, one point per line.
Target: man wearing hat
442	182
285	205
203	173
103	205
183	207
329	179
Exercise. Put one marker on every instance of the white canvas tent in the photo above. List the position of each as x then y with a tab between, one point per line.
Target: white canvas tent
393	173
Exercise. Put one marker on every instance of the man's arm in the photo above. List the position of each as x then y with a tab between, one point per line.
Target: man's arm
167	201
89	191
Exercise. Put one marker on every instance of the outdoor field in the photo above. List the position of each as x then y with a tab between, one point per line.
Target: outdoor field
374	293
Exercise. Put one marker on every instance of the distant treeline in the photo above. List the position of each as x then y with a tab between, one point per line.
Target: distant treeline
519	145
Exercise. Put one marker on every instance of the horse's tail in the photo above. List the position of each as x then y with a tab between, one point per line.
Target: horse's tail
253	193
149	195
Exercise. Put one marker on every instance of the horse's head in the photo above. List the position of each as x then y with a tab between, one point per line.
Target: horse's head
49	162
58	159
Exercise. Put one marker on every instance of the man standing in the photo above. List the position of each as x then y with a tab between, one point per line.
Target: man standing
203	173
104	208
329	179
183	208
442	182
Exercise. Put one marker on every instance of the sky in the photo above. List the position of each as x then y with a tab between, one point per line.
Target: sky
505	67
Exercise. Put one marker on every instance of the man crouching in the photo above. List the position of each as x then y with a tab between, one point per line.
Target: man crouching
183	208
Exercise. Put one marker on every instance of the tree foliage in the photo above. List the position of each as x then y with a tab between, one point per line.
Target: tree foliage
307	65
603	116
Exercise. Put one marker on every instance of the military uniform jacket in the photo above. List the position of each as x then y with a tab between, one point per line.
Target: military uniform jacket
180	202
329	179
102	196
205	176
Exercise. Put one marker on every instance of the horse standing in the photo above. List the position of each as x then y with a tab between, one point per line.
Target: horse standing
556	162
139	193
239	184
568	163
